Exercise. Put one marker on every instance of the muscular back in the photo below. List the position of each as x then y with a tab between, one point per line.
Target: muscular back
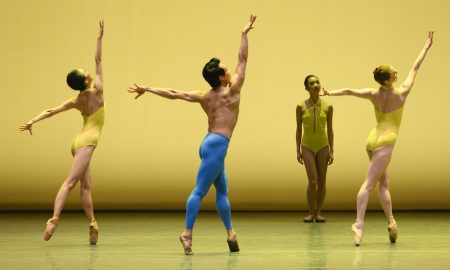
222	107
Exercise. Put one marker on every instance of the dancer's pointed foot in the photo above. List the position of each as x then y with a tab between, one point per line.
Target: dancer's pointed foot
309	218
319	218
393	231
51	227
358	230
93	232
233	243
186	241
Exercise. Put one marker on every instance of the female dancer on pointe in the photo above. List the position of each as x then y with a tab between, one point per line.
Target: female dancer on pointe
91	105
315	145
388	103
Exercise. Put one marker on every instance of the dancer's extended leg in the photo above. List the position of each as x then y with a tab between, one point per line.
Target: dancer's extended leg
80	164
222	202
380	159
223	208
378	164
212	152
85	194
86	200
386	203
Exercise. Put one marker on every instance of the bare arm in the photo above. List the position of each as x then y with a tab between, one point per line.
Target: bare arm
238	79
98	83
330	134
194	96
366	93
409	82
298	134
70	104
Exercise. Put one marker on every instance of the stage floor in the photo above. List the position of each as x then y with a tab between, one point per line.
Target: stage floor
268	240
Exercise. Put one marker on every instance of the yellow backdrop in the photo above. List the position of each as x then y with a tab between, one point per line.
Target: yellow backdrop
148	153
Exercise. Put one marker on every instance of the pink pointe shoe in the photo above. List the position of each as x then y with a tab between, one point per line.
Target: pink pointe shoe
50	229
393	231
93	232
358	230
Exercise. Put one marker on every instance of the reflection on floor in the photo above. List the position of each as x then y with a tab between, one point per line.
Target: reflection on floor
268	240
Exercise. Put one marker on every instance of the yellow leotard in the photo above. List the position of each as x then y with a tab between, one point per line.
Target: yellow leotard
385	133
91	130
314	121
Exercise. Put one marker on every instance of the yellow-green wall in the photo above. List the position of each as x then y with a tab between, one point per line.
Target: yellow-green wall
148	153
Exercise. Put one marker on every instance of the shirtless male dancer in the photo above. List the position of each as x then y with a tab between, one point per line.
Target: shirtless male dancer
221	105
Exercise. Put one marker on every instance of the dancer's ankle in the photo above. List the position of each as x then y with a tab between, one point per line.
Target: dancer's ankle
54	219
231	233
359	224
187	233
391	220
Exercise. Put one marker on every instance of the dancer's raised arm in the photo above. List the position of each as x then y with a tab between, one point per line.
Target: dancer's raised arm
238	79
98	83
69	104
409	82
194	96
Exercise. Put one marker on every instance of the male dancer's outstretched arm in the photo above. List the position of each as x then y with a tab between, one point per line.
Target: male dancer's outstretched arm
239	77
194	96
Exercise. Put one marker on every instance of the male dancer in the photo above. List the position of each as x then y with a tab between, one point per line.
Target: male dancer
221	105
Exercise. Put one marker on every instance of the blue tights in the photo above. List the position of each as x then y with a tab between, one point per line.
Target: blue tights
212	171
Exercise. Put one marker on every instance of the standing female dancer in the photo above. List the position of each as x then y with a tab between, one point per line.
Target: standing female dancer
315	147
91	105
388	103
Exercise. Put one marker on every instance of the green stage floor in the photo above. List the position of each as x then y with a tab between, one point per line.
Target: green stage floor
268	240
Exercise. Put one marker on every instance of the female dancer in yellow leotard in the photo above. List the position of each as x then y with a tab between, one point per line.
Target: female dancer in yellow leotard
388	103
91	105
315	145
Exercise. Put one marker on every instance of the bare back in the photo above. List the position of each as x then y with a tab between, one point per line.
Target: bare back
89	101
388	100
222	107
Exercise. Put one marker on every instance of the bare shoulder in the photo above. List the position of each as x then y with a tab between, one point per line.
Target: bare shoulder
205	93
74	101
402	91
373	91
98	88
